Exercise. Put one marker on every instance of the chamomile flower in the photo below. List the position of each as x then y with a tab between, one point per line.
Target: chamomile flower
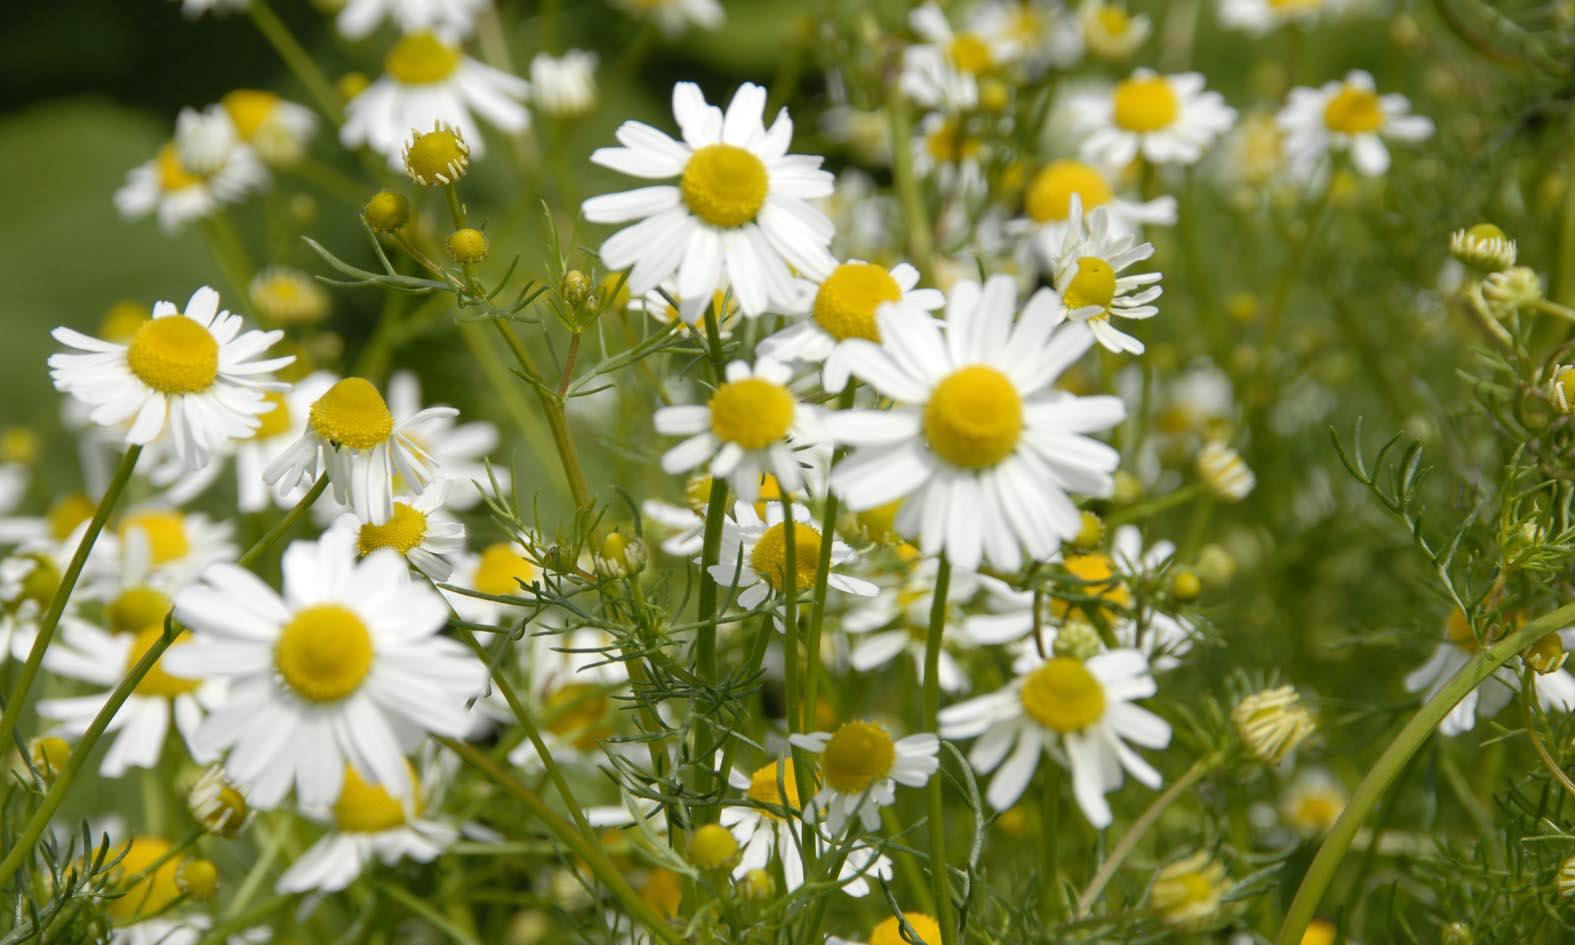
346	666
1042	34
944	151
190	376
1261	16
1110	31
502	569
140	727
944	70
1049	201
576	686
740	210
686	523
284	296
279	131
1556	690
675	17
176	191
153	548
688	315
1082	710
842	306
357	18
1166	119
1347	116
368	823
981	446
860	767
418	530
753	555
897	620
353	437
1086	266
459	449
751	426
427	81
564	85
1313	801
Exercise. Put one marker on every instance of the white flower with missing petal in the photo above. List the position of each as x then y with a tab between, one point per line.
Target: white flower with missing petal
1086	265
738	215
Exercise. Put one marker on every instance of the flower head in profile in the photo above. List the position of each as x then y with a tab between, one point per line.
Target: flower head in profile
739	213
1555	691
1165	119
980	447
346	666
1086	266
1081	711
1347	117
191	378
1188	892
1110	31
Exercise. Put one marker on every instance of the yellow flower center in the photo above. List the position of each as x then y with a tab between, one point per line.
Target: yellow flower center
578	712
948	145
1353	111
422	59
402	532
858	755
173	175
41	582
846	302
1113	20
249	110
502	570
154	892
763	787
663	891
1062	695
1094	284
67	512
165	531
1145	103
276	422
769	559
137	608
324	653
438	156
370	808
174	355
352	414
157	682
1317	811
974	417
1025	24
753	413
122	320
1097	572
889	931
969	53
1459	631
1295	6
1050	194
724	185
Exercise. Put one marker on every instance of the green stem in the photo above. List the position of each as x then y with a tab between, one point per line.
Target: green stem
591	854
1388	766
793	698
296	58
230	253
17	701
421	908
920	237
817	611
557	420
283	526
1143	510
1147	819
932	708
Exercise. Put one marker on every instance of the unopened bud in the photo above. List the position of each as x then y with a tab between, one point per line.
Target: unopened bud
217	805
48	755
1185	585
386	211
712	847
1546	655
1090	534
1273	722
1078	639
576	287
198	879
466	245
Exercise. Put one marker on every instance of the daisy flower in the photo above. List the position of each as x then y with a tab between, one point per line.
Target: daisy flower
576	687
1083	711
1086	266
153	553
860	768
1261	16
686	523
502	569
101	659
1313	801
947	154
284	296
353	437
346	666
979	443
1041	34
1110	31
357	18
279	131
564	85
842	306
459	449
193	376
174	189
944	70
1047	205
687	315
751	426
739	212
1348	116
427	81
897	620
418	530
1165	119
674	17
368	824
763	833
753	556
1556	690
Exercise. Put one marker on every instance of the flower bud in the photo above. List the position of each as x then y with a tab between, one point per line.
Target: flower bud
218	806
48	756
1078	639
1546	655
1187	893
1227	475
1127	488
437	157
1561	389
1484	246
466	245
1216	566
1185	585
1090	534
1566	880
1456	933
620	556
758	885
1272	723
386	211
576	287
1509	290
198	879
712	847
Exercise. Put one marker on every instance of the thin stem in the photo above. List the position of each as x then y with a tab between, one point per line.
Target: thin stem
421	908
1528	698
817	611
296	58
230	253
17	701
1388	766
920	237
1147	819
283	526
557	420
797	712
932	709
591	854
